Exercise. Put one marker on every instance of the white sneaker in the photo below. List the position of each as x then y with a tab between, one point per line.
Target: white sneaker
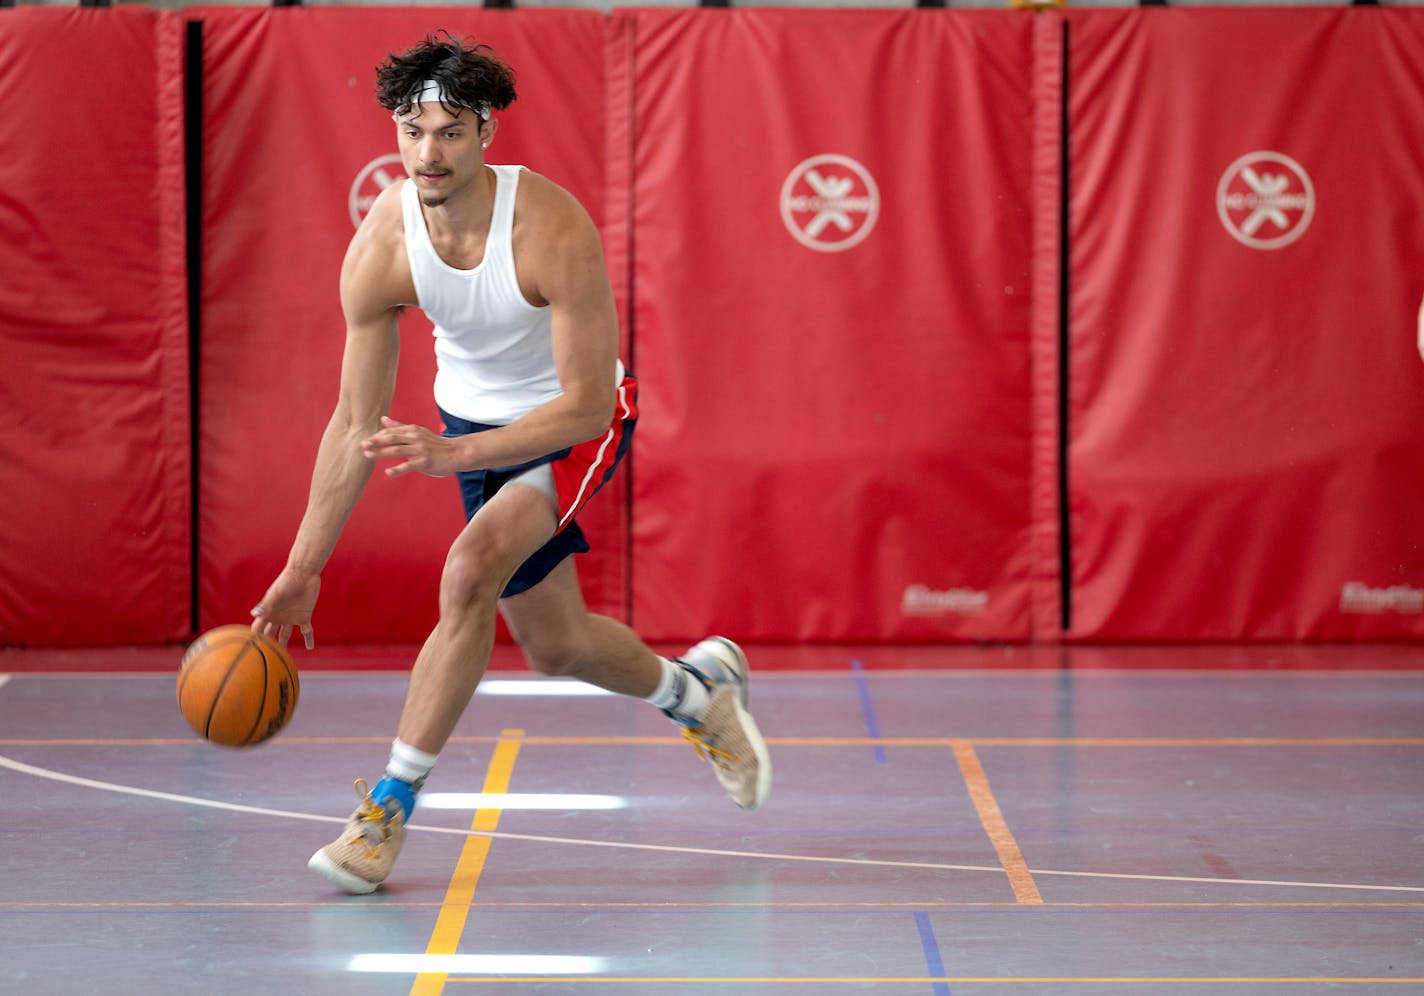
361	858
727	736
719	661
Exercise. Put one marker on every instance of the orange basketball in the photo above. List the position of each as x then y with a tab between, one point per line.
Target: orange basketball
236	688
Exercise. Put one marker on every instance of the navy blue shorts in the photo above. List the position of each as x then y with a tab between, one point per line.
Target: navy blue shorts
579	472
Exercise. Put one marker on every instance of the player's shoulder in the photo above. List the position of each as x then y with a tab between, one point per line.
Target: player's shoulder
382	230
376	259
386	211
545	205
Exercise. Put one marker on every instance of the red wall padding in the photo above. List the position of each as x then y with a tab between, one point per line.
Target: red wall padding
835	444
1247	449
291	127
853	444
94	440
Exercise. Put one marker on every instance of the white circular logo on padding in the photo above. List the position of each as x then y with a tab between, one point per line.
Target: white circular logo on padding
829	203
375	176
1265	200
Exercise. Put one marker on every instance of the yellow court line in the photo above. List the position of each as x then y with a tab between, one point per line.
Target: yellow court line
445	938
621	741
1020	879
511	981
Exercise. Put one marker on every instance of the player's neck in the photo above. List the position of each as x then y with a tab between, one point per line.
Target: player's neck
461	222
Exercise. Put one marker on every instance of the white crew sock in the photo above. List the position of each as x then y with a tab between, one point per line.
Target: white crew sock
409	764
680	693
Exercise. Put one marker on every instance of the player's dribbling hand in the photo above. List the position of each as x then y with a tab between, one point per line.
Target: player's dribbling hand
422	450
288	604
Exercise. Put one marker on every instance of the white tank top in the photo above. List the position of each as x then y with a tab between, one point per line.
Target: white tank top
493	353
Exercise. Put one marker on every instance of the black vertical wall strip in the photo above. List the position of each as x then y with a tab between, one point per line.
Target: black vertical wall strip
193	208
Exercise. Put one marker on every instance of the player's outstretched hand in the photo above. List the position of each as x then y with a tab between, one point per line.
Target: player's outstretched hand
417	447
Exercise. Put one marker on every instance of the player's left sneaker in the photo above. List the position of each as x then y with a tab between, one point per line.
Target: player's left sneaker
727	736
361	858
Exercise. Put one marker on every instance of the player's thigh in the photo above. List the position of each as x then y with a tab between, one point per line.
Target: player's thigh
549	620
500	536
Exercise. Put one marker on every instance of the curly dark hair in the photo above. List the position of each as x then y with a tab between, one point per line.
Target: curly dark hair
470	74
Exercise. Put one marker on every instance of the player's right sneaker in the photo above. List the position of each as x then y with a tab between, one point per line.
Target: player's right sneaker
727	736
361	858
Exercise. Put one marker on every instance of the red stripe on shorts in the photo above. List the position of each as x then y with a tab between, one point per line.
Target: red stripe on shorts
578	476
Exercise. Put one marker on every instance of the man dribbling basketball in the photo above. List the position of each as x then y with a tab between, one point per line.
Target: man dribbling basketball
538	412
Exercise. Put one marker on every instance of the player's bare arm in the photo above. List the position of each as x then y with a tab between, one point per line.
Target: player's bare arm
371	293
559	258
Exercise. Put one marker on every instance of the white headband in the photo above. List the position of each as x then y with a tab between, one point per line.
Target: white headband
432	92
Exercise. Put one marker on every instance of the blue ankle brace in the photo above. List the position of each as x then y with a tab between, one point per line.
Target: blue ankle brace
394	788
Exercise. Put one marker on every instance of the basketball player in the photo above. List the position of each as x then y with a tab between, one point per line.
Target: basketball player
538	412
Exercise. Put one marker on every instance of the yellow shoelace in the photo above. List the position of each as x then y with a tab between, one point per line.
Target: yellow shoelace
708	752
373	829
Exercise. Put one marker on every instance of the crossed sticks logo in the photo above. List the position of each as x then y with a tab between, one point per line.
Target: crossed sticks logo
1265	200
374	177
829	203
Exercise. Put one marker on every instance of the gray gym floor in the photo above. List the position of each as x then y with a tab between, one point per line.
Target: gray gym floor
943	821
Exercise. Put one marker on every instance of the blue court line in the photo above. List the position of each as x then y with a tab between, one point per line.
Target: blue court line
933	961
872	725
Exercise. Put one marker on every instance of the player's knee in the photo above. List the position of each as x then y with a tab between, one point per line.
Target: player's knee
557	666
550	655
472	577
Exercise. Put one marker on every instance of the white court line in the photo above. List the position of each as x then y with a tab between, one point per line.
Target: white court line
4	680
189	800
